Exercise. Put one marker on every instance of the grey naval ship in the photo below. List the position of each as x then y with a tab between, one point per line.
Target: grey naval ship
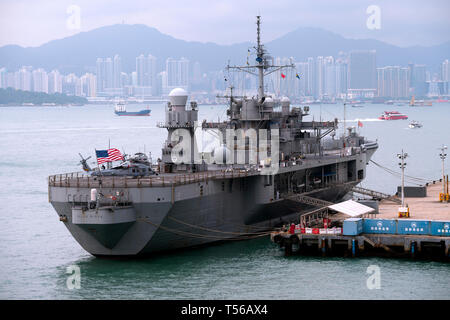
191	197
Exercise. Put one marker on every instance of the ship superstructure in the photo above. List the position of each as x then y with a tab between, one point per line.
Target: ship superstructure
263	159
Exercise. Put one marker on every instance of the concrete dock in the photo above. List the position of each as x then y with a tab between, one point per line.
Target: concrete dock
428	208
370	243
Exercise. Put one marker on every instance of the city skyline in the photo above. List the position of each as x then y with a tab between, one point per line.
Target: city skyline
350	75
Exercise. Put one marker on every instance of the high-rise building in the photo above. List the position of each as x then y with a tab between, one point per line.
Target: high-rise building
319	83
445	71
109	69
310	77
301	88
3	78
419	80
146	70
40	80
177	73
329	68
117	71
23	79
71	85
108	76
341	79
88	85
445	77
362	73
145	75
393	82
54	82
282	85
11	80
101	75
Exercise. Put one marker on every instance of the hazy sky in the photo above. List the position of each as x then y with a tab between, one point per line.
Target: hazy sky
401	22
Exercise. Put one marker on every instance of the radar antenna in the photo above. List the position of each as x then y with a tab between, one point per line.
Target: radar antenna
263	66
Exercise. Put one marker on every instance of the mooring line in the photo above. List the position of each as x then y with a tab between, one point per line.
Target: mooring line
218	231
201	236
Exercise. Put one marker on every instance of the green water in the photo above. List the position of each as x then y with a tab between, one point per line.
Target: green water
36	248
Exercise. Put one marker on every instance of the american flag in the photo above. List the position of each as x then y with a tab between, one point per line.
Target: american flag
108	155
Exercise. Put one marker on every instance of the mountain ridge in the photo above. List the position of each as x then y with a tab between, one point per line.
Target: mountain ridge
78	53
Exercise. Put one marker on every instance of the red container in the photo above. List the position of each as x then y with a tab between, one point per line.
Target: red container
302	230
292	229
315	230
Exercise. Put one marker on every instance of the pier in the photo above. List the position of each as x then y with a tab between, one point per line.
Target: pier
424	234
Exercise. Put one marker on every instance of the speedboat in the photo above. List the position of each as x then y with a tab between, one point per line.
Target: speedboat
414	124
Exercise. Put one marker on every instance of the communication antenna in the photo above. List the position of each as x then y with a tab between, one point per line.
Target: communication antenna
263	65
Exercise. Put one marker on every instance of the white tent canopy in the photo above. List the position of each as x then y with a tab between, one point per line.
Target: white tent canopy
351	208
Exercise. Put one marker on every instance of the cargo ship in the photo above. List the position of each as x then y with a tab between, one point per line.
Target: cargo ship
120	110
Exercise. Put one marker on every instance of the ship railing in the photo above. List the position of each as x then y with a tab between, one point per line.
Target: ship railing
82	180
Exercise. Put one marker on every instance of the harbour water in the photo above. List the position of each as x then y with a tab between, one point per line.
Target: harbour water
36	248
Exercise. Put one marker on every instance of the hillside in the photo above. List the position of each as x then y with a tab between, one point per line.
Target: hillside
79	52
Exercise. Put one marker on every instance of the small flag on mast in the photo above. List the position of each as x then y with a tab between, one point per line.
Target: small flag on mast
108	155
297	76
360	124
283	76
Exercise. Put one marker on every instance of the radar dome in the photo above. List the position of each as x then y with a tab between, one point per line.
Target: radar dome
178	97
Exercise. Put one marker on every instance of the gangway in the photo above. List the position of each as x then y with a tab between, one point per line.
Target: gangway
376	194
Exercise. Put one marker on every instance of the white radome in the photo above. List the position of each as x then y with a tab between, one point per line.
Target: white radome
178	92
178	97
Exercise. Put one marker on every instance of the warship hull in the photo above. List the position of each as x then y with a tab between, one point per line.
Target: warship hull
161	218
268	167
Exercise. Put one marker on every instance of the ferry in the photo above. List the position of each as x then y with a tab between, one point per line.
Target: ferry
393	115
120	110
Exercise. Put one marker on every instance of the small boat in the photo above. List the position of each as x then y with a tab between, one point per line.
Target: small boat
393	115
414	124
120	110
357	106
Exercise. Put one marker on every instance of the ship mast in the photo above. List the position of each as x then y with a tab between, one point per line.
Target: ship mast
260	58
262	63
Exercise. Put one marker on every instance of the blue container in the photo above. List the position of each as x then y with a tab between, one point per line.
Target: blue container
406	226
440	228
380	226
353	226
